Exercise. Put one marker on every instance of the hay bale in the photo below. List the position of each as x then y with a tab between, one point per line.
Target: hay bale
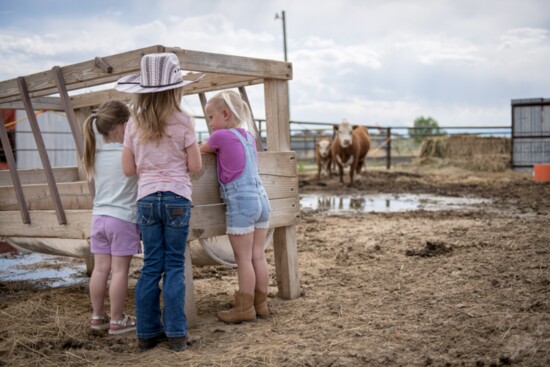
434	147
468	151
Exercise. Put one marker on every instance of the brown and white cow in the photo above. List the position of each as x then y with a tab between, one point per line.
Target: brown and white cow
324	157
349	148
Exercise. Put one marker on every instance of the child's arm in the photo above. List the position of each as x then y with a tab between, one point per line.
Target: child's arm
194	159
128	162
205	148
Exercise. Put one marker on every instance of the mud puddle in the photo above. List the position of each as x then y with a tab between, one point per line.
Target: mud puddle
50	270
386	203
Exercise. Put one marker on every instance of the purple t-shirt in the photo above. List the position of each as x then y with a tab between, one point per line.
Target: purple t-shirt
229	152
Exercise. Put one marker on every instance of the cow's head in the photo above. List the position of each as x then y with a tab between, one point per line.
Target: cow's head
324	147
344	132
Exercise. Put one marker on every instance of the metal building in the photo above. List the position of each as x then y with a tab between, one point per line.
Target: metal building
530	133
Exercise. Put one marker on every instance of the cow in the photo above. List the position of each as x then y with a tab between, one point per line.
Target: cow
323	156
349	148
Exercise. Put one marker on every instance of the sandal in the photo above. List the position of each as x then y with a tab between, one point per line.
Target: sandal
128	323
99	322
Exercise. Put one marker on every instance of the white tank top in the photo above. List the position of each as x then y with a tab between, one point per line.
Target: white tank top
115	194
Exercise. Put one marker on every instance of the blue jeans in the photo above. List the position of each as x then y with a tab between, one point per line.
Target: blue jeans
163	219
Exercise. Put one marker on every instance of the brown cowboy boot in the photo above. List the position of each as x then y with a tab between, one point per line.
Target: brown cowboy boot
243	310
260	304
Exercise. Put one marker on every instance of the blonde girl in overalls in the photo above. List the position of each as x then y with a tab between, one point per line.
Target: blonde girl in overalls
247	204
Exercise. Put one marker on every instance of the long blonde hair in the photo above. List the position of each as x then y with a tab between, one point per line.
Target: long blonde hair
238	107
151	112
109	115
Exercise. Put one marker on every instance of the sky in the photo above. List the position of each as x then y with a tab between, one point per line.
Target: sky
381	63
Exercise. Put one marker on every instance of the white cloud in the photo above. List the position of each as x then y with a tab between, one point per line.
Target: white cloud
375	61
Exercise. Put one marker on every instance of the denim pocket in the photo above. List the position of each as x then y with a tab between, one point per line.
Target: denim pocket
145	214
248	205
177	215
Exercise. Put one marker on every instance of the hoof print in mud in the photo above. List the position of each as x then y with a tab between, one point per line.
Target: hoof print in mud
431	249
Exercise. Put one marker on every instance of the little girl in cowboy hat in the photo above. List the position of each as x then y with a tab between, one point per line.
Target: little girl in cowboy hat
161	149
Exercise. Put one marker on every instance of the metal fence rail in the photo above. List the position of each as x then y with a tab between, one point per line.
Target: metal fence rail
388	144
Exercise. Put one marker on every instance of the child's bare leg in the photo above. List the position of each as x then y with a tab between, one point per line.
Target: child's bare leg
259	261
98	282
242	248
119	285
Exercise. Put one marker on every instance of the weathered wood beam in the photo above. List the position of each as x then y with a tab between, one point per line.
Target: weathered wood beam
69	112
8	152
229	64
277	171
88	74
211	82
36	176
81	75
22	86
244	96
41	103
206	221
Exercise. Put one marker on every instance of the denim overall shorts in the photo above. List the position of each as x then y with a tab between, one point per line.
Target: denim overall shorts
247	204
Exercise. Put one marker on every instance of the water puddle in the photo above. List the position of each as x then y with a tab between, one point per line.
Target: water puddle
385	203
52	271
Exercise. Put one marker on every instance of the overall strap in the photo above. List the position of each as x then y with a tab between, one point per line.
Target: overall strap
250	153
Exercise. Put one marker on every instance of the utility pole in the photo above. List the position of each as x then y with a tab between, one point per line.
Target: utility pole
284	30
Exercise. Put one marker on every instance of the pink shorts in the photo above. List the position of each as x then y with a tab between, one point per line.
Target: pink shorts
117	237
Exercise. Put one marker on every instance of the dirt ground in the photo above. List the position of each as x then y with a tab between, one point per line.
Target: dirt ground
444	288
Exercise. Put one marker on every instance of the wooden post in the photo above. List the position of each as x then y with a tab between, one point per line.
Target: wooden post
41	150
202	98
388	148
12	165
278	139
244	96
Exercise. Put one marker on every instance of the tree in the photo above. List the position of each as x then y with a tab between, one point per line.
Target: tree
424	126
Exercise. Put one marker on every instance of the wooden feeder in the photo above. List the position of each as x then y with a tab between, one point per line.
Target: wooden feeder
49	210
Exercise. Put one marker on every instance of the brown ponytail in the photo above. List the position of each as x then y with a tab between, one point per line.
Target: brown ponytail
109	115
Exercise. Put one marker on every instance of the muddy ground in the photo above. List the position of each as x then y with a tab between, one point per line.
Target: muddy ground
445	288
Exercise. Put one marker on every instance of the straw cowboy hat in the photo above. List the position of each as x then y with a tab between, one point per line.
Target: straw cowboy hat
159	72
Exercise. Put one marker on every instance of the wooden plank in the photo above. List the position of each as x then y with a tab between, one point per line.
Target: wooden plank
88	74
75	195
41	103
93	99
244	96
8	152
206	221
72	195
218	85
41	150
36	176
81	75
230	64
69	112
210	82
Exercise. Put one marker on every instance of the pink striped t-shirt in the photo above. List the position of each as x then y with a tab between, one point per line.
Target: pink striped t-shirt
163	166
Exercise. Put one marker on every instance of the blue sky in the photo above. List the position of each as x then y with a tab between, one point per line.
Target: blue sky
374	62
